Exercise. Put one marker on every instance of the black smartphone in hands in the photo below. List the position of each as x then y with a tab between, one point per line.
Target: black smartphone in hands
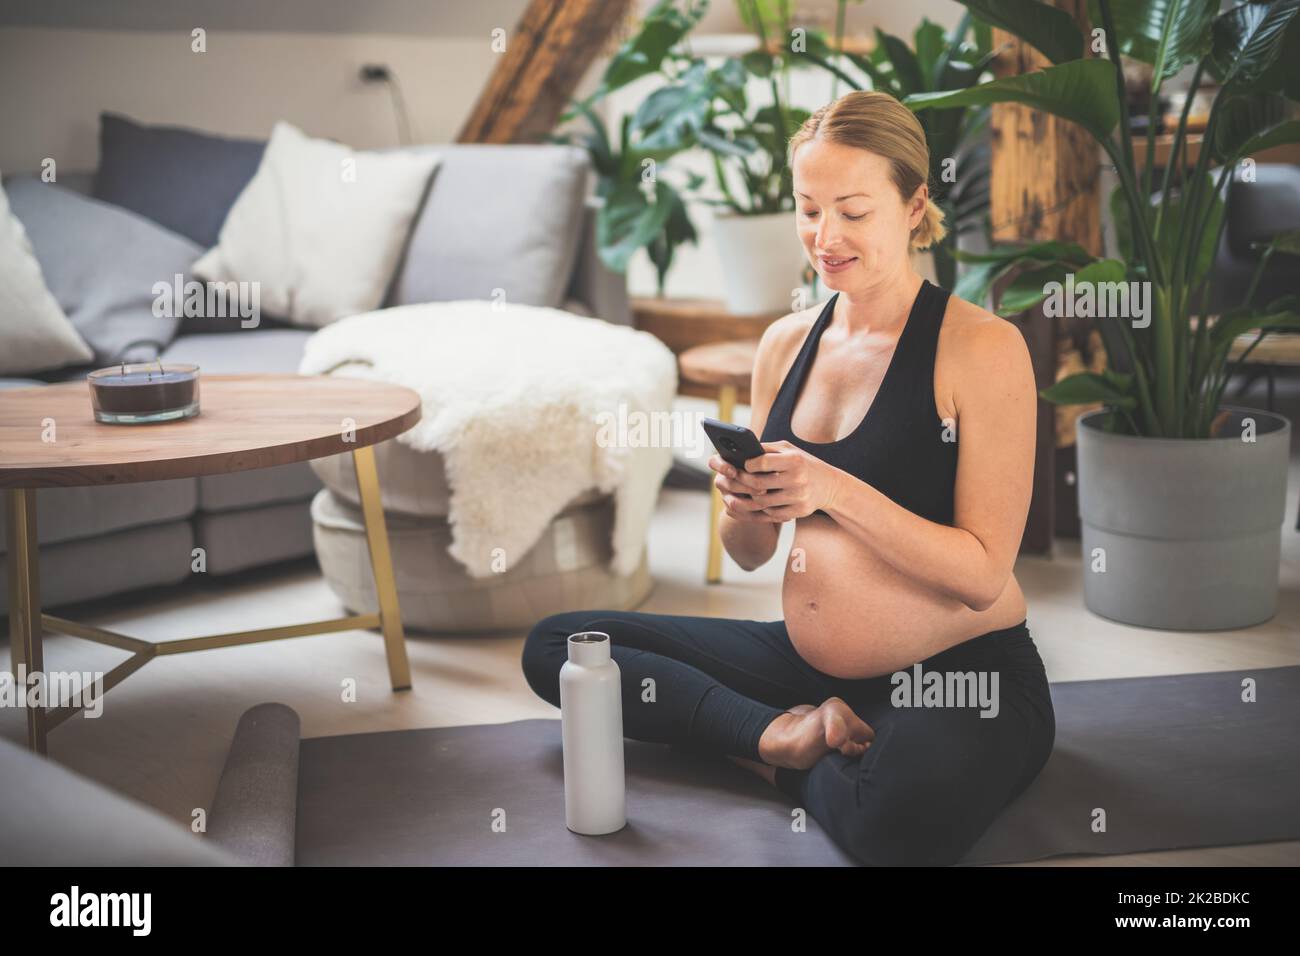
735	443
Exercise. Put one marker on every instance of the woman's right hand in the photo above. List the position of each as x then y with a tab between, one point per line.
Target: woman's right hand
742	500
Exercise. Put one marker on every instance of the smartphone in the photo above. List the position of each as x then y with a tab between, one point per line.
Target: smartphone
735	443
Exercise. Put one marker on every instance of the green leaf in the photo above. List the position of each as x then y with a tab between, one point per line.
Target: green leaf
907	71
1052	31
1241	118
1282	134
930	43
717	141
1070	252
1103	270
1283	76
1287	242
1028	288
880	79
1179	217
628	221
1246	43
758	62
644	53
1168	34
1082	91
1086	388
973	285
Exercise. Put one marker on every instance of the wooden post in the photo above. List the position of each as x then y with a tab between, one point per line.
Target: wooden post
544	58
1043	185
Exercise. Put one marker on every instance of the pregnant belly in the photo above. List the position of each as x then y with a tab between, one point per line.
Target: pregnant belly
851	614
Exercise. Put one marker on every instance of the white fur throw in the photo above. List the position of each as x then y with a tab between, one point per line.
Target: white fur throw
520	402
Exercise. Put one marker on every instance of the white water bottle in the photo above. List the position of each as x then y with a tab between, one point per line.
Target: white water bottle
591	715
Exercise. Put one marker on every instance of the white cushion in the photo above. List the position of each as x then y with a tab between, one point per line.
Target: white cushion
320	227
35	335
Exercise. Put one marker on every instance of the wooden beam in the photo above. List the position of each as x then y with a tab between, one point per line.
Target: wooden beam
1043	185
542	62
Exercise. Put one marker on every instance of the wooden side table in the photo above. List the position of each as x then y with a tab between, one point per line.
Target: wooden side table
682	324
722	370
245	422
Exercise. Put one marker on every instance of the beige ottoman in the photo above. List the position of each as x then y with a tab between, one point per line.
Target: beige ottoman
568	568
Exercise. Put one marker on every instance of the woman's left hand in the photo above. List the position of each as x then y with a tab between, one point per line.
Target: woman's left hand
798	485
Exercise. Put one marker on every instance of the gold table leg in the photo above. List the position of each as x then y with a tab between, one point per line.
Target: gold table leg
25	603
381	564
726	408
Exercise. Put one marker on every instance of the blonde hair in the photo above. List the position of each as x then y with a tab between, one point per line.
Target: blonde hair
880	124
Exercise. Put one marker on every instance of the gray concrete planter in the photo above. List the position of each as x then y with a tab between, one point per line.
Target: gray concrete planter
1188	531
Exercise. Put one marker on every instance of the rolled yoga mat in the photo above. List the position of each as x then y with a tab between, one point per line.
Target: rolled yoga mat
254	812
1175	761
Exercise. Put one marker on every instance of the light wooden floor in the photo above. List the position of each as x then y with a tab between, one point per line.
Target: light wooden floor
166	730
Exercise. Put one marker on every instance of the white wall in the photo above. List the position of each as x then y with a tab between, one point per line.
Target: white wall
62	62
55	82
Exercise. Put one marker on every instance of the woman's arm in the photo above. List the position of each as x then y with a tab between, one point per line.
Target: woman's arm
748	533
996	403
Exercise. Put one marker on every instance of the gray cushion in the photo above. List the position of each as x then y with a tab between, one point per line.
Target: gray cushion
1261	210
247	489
237	540
497	217
156	555
102	264
248	351
68	514
180	178
244	351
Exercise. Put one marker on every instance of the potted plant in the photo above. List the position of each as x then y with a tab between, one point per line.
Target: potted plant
1181	496
705	104
708	105
636	206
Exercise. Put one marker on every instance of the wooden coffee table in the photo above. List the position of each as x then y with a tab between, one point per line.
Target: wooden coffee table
49	439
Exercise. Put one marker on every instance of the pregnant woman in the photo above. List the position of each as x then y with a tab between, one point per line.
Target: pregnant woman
901	701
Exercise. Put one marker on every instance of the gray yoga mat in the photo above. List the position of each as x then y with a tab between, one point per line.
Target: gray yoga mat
254	810
1173	761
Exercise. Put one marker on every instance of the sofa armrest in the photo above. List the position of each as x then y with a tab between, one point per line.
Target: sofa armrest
53	817
594	284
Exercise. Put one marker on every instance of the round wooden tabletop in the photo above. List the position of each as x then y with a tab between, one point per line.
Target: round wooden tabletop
719	363
49	436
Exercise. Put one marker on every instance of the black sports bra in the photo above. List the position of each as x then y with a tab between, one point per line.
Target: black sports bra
901	447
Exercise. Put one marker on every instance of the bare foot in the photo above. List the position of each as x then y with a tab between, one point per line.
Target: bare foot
804	734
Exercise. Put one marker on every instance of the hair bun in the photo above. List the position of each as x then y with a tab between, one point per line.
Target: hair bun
931	229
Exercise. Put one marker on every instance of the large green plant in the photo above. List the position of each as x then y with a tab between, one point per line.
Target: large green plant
704	104
638	207
1167	369
697	105
959	159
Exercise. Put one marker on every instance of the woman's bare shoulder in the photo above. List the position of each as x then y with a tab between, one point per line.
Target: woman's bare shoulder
974	333
980	352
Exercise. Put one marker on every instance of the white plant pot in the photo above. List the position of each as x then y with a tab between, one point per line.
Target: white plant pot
761	261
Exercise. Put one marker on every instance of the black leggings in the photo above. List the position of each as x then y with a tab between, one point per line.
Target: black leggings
929	785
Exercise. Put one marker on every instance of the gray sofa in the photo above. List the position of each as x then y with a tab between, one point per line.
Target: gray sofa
250	519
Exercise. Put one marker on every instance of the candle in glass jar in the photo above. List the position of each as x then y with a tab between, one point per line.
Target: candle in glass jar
140	393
